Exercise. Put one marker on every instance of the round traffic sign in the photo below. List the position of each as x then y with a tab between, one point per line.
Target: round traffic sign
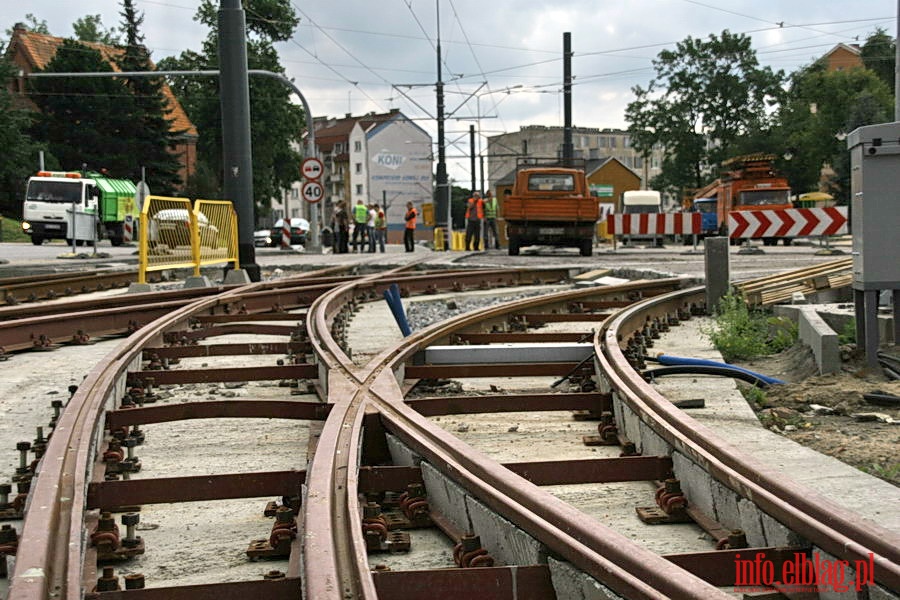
312	191
312	168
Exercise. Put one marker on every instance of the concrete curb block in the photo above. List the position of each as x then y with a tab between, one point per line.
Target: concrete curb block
815	333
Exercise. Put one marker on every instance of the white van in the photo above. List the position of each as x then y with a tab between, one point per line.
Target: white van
642	202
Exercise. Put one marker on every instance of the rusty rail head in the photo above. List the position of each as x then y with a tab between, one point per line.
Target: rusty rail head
816	518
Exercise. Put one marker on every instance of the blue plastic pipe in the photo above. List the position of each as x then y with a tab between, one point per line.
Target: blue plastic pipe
392	297
666	359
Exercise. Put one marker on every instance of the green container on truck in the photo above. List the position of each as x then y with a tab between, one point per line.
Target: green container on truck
86	207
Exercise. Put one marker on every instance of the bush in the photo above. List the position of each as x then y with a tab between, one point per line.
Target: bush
740	332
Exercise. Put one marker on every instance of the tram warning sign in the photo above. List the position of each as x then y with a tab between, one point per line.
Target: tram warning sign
312	168
312	191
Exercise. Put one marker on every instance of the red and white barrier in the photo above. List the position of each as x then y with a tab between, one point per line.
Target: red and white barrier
285	237
788	222
128	229
654	223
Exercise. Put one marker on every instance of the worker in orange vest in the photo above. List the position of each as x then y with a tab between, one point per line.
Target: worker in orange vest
409	232
474	221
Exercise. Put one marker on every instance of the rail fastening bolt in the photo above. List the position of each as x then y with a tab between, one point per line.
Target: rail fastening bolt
108	582
271	575
23	448
470	542
5	489
135	581
371	510
673	486
129	520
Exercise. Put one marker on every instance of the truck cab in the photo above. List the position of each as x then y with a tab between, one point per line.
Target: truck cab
70	205
709	221
550	205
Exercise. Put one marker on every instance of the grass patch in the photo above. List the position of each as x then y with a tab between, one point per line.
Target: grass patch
11	230
754	396
740	332
848	334
888	472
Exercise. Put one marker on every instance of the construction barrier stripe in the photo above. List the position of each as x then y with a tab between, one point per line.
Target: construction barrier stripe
654	223
788	222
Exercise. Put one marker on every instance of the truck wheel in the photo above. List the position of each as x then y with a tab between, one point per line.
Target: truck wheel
116	241
37	240
787	241
586	247
513	247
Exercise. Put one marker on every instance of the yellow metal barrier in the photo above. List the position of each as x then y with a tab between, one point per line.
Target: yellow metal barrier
166	235
439	239
176	235
457	240
428	214
217	232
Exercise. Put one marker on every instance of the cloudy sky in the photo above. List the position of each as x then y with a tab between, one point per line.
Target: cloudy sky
501	59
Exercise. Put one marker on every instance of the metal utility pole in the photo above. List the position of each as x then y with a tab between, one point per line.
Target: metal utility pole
443	188
568	151
897	67
472	157
236	151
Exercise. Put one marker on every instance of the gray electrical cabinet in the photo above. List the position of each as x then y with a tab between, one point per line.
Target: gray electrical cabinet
875	185
875	223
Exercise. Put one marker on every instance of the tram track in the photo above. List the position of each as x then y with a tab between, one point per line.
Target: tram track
368	419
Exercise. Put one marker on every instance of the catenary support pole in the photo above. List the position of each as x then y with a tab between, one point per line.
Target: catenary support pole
234	89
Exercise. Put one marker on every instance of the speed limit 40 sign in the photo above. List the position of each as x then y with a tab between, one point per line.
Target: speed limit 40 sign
312	191
312	168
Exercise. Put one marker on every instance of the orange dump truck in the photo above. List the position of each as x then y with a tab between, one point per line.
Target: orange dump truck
748	183
550	206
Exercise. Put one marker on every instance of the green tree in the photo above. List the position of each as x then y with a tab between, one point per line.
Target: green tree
32	23
822	107
84	121
706	94
878	55
90	29
19	158
151	132
276	123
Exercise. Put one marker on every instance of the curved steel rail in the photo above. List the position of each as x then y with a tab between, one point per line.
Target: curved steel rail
333	547
829	526
607	555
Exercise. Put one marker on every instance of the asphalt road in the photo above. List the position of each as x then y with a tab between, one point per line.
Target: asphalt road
21	259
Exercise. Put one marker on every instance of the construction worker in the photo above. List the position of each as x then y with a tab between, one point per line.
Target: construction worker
379	233
474	221
409	232
491	237
360	216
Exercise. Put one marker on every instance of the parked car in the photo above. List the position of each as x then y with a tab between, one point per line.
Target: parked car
262	238
299	232
172	227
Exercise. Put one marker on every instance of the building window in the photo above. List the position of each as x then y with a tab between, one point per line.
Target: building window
295	193
638	162
359	167
359	189
357	146
525	147
338	148
612	142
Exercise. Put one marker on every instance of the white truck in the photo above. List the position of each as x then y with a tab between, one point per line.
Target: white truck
84	207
